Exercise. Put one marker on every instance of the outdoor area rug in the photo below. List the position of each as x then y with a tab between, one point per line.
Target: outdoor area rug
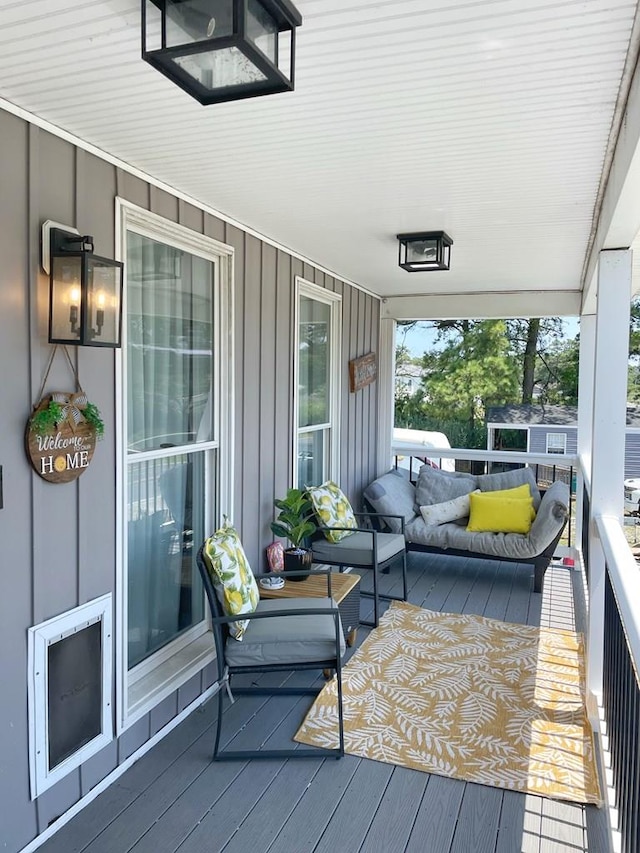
472	698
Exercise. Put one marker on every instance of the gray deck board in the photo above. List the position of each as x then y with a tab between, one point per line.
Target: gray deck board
478	820
175	800
393	821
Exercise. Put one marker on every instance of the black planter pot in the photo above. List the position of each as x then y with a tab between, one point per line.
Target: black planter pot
298	560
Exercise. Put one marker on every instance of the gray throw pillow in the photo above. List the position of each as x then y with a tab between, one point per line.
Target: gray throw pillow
435	486
392	492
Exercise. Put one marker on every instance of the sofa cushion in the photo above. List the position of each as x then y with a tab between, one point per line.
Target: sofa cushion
499	514
393	493
333	509
447	511
509	479
435	486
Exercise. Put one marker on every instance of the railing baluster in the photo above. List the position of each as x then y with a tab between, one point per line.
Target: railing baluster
621	703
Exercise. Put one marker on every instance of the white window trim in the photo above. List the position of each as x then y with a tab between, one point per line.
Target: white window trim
556	435
142	688
334	300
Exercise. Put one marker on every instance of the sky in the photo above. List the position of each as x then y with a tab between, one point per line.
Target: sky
420	338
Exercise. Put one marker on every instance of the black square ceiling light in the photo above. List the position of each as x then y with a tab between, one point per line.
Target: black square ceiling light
423	251
222	50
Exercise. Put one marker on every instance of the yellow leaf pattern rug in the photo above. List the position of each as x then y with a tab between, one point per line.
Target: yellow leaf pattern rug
463	696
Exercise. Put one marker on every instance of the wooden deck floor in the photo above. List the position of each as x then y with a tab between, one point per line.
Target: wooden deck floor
175	799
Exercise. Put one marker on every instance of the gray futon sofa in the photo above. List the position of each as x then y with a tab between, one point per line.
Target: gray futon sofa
393	493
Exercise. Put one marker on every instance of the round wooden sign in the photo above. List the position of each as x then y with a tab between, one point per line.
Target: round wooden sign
59	439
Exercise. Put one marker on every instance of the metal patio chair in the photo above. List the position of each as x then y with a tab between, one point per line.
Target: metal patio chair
282	635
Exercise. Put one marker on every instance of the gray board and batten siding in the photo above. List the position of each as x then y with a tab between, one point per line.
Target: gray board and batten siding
57	542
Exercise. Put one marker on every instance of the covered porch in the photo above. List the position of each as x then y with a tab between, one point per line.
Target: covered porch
175	799
515	128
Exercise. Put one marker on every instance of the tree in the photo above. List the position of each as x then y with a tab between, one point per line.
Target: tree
473	368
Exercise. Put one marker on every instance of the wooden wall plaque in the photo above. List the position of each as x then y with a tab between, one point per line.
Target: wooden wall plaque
363	371
62	451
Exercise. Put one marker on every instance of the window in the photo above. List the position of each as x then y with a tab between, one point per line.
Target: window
318	321
175	458
556	442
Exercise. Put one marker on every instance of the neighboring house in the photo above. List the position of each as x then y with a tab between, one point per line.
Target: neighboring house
409	378
554	429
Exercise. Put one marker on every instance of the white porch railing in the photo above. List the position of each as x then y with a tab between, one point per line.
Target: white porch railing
620	700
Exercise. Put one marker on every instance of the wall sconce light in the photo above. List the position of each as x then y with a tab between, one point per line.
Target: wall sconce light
222	50
424	250
85	296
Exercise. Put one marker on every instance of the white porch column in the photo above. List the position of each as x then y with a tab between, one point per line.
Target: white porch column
386	389
585	410
608	432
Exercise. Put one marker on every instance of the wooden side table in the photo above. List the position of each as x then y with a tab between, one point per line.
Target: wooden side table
344	591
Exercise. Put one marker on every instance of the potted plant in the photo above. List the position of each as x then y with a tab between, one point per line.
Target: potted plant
295	522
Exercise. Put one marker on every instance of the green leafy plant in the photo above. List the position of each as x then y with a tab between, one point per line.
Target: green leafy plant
91	414
45	420
295	519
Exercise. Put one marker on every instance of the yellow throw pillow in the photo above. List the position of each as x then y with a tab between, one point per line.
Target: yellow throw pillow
499	515
333	509
523	491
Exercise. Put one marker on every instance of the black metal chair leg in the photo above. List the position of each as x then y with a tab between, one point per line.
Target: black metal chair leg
216	744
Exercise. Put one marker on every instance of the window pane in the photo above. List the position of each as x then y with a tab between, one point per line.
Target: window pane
165	519
313	362
169	345
311	455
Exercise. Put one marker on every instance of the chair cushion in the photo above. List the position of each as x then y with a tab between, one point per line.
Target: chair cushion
394	493
357	550
447	511
287	639
333	509
435	486
231	576
499	515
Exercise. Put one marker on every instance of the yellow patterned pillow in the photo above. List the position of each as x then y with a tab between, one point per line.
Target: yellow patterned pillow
499	515
523	491
333	509
231	576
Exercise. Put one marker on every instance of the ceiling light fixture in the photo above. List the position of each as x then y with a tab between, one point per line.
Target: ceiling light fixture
222	50
424	250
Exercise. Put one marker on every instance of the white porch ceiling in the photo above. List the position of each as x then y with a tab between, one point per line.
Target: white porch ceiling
488	119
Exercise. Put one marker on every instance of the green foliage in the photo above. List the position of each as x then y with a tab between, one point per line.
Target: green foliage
295	519
474	364
91	414
44	420
473	369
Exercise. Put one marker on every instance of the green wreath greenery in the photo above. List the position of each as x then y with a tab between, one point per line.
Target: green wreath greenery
44	420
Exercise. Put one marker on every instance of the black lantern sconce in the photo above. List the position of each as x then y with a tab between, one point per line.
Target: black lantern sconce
85	296
222	50
424	250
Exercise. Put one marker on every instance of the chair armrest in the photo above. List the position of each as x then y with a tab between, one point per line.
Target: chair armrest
383	515
311	611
